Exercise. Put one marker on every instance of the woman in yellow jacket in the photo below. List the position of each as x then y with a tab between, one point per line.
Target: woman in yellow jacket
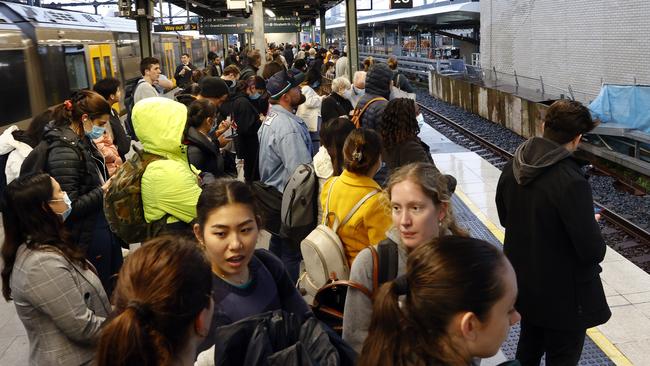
368	225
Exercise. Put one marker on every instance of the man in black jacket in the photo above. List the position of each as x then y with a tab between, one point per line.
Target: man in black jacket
553	240
183	74
109	88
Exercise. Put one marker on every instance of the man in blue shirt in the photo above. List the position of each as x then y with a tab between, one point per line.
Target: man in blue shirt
284	145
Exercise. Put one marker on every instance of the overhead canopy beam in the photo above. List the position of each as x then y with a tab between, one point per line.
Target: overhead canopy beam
458	37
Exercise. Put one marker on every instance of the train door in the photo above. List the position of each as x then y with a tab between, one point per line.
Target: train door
101	64
170	60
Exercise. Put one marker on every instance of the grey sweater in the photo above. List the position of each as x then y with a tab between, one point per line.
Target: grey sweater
358	307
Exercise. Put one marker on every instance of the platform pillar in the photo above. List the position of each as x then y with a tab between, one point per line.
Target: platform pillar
323	36
258	30
143	18
351	36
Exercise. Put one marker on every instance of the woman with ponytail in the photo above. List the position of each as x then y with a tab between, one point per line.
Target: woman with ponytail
72	158
368	225
57	295
454	304
421	211
162	306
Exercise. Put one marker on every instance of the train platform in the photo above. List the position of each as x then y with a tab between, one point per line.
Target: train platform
625	338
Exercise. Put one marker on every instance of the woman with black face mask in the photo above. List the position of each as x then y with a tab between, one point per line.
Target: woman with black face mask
203	147
246	119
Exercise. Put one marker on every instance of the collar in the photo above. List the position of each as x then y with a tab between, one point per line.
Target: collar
353	179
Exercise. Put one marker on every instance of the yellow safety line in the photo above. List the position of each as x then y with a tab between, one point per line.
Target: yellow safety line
596	335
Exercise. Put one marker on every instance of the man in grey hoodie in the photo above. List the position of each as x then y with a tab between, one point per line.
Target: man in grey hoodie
554	243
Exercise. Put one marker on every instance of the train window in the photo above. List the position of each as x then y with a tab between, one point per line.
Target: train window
97	68
14	94
107	66
55	82
75	65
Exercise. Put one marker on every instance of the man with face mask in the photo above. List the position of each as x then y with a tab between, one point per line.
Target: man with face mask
284	145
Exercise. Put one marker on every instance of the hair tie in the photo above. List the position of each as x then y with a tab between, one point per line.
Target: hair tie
357	155
401	285
68	104
142	311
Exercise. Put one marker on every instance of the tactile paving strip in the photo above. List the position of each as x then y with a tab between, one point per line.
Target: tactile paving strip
591	354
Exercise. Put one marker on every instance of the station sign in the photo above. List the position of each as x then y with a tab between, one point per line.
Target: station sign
175	27
401	4
245	25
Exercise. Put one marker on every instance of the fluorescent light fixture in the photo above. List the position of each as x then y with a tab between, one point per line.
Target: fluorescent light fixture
269	12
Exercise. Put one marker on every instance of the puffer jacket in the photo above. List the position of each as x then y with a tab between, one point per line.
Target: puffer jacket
111	156
17	151
377	85
204	154
169	186
79	168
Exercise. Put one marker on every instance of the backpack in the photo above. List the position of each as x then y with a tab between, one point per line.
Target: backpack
329	302
123	201
3	175
358	112
300	204
323	251
129	102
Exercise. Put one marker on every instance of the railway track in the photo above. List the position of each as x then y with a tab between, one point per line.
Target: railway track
620	233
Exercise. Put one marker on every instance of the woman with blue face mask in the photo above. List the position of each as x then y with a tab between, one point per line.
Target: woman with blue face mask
73	159
57	295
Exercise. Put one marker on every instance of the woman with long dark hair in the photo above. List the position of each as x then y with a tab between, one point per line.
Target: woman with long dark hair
399	131
75	162
163	306
58	297
202	144
459	297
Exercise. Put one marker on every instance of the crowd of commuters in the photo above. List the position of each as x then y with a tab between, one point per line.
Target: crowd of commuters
236	131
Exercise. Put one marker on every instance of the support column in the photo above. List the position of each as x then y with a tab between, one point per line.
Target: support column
351	36
323	35
258	30
399	40
224	37
144	16
313	32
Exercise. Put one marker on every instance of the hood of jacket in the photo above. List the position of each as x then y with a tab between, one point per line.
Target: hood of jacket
378	80
8	143
534	156
159	123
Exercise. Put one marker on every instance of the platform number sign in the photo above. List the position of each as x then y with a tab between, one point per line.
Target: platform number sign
401	4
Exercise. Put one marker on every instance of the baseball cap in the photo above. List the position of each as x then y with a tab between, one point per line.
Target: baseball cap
213	87
283	81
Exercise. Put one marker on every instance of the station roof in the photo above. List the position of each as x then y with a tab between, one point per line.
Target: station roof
305	9
434	15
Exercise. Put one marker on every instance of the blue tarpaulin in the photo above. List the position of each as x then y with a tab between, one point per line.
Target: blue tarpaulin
628	105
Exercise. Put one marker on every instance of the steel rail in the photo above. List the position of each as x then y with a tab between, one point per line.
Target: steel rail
609	215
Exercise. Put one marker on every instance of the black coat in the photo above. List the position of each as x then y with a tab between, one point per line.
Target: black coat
120	138
247	119
203	153
182	80
288	56
552	239
409	151
335	106
76	164
377	86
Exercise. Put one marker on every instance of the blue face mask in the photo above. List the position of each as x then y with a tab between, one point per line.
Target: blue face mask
96	132
255	96
68	203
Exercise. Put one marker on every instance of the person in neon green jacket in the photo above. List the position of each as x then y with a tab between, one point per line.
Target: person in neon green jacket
169	186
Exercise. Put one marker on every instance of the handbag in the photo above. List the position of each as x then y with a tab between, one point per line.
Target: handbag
396	92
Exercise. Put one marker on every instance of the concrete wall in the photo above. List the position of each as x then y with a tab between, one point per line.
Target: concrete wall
518	114
576	42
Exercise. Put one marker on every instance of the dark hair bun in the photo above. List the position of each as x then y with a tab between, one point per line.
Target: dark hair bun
361	151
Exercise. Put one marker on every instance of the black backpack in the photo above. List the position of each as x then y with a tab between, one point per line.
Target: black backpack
129	93
329	302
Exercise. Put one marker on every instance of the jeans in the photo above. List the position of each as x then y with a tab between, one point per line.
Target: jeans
291	257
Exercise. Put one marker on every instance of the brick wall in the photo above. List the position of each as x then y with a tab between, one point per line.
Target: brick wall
571	42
